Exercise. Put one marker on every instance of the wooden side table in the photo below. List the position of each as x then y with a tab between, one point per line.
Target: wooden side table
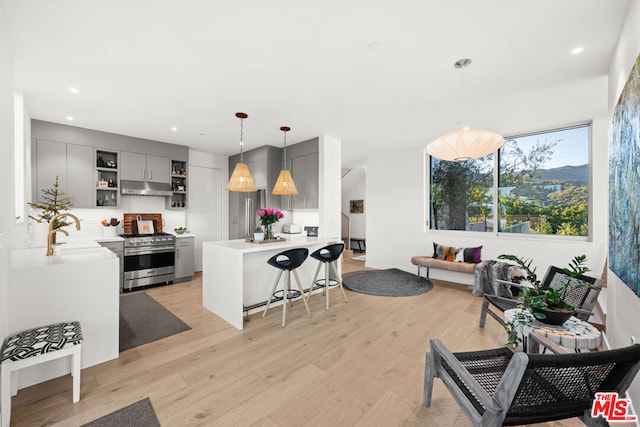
574	334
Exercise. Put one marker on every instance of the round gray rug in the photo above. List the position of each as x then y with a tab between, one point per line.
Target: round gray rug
388	283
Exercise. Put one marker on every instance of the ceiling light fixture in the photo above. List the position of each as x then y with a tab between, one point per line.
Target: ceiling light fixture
241	180
73	90
464	144
285	185
70	118
174	128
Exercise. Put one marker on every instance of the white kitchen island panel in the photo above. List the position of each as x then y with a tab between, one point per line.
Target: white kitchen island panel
82	286
235	274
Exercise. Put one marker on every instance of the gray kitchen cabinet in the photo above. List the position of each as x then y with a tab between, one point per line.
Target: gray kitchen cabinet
158	168
145	167
51	162
72	164
185	258
303	163
80	183
117	247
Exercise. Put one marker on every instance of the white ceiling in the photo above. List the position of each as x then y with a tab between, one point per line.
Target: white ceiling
143	66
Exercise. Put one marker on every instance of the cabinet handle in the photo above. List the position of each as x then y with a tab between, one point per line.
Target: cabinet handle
150	175
177	253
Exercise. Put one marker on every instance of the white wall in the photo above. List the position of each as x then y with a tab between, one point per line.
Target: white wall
395	211
354	188
623	306
6	185
330	150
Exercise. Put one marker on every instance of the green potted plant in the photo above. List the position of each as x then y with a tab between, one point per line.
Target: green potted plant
258	234
545	304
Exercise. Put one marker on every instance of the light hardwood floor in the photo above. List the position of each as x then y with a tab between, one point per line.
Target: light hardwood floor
359	364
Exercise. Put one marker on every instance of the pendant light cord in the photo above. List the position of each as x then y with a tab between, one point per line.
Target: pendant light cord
241	136
284	159
462	64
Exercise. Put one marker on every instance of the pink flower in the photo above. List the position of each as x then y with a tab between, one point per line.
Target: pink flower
269	215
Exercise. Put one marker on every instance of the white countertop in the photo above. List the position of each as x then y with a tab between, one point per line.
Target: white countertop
72	254
110	239
291	242
187	234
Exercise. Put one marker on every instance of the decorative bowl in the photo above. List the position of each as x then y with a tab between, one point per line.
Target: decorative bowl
180	230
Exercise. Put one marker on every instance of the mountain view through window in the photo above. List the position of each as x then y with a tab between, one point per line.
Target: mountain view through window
542	188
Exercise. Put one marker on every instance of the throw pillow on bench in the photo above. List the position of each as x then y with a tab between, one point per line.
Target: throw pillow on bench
451	253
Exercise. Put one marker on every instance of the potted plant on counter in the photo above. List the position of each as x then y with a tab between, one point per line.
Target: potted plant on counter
258	235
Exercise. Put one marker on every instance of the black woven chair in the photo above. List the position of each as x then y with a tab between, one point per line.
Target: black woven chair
585	297
499	387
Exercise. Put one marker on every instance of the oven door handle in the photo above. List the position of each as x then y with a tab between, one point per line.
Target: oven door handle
148	250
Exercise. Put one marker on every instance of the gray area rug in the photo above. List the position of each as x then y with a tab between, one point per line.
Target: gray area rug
139	414
389	283
143	320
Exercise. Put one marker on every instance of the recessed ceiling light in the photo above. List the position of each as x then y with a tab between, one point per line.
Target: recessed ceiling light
373	46
577	50
73	90
70	118
174	128
203	134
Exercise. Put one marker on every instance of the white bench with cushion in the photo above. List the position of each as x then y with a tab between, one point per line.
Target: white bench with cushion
34	346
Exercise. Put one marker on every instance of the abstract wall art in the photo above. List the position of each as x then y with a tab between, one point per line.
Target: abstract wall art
624	184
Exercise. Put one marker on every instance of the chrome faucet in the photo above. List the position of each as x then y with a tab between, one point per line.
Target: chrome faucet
53	231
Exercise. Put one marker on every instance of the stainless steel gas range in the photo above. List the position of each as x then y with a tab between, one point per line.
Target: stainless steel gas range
149	259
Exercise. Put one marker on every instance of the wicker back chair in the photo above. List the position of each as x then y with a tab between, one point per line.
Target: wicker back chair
584	297
500	387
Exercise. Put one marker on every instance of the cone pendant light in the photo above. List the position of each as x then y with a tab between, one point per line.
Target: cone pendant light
285	185
464	144
241	180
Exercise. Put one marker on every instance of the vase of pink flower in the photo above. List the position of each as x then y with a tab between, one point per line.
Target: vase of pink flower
268	217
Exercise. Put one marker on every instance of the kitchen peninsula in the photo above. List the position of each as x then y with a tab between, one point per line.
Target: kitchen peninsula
80	282
235	273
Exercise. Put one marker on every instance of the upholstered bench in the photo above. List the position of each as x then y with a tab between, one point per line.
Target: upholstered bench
430	262
34	346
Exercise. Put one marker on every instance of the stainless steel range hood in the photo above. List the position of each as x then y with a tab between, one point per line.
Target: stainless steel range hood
144	188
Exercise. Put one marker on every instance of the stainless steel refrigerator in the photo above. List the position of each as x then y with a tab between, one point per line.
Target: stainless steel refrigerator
243	213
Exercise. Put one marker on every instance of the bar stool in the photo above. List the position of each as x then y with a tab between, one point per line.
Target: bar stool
327	256
34	346
287	261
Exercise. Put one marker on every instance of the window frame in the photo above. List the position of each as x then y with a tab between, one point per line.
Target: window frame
496	173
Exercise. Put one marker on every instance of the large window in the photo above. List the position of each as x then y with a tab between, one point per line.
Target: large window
462	194
541	187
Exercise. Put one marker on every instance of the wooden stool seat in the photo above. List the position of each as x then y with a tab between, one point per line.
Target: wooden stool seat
34	346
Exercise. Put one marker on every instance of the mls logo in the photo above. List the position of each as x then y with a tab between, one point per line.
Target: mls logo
612	408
